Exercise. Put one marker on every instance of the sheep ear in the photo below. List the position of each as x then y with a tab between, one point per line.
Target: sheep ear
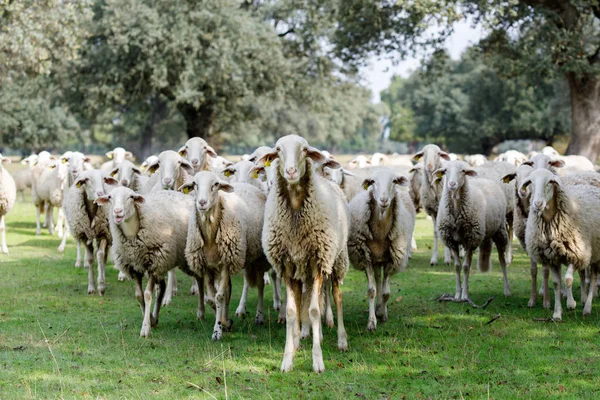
102	200
185	164
413	169
138	198
554	182
257	173
153	167
229	171
266	159
439	173
331	164
509	177
64	160
80	182
136	170
109	154
114	172
226	187
182	151
53	158
6	160
347	173
87	160
418	156
401	181
210	151
444	155
187	187
471	172
366	183
528	162
315	154
523	188
557	163
129	155
111	181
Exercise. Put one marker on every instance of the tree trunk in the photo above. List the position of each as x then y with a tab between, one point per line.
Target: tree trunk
158	112
198	121
585	114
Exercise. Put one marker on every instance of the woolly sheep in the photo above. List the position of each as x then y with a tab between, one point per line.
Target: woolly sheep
41	163
472	215
382	221
550	151
198	153
430	194
359	162
148	161
149	236
416	180
50	190
223	238
88	222
219	163
513	157
116	156
379	159
8	195
23	180
304	237
128	175
346	180
241	172
475	160
562	228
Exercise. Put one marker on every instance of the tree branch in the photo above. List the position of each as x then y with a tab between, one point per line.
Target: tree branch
291	30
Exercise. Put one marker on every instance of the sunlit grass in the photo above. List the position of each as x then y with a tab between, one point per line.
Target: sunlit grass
56	341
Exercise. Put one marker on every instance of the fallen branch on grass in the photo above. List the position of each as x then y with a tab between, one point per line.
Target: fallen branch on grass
450	298
497	316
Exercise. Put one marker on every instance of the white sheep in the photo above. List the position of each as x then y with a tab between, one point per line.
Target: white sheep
431	192
562	228
382	220
116	156
50	188
476	160
513	157
40	164
198	153
241	172
304	237
146	163
416	180
219	163
549	151
223	238
472	215
23	180
128	175
359	161
149	236
88	222
346	180
8	195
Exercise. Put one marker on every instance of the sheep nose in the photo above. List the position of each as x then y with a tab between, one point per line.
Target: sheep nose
100	194
430	166
167	181
125	182
195	162
538	204
452	185
384	201
202	203
291	171
118	211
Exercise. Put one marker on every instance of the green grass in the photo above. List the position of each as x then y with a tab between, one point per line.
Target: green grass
56	341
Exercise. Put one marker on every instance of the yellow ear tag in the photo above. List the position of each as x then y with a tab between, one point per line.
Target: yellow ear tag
52	166
78	184
64	160
255	174
506	179
439	175
186	190
227	173
366	186
113	173
268	163
181	153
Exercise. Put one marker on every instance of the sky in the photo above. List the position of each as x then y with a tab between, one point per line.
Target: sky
378	74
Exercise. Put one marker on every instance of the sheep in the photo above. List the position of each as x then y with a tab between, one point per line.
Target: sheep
149	236
472	215
346	180
430	193
304	238
50	190
128	175
542	161
475	160
562	229
40	164
173	170
382	221
240	172
359	161
549	151
116	156
566	164
198	153
23	179
575	163
148	161
219	163
416	180
8	195
88	222
513	157
223	237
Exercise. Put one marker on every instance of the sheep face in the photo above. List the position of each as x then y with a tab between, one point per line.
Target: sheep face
170	165
543	189
123	201
219	163
382	187
125	173
456	173
94	184
359	162
258	153
75	160
432	156
118	155
542	161
550	151
197	151
30	160
207	186
292	151
239	172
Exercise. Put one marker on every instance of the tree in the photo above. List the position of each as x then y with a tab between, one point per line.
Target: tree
538	37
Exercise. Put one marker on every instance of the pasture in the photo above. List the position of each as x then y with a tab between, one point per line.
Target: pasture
58	342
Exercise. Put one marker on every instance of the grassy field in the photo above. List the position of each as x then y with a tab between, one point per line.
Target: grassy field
58	342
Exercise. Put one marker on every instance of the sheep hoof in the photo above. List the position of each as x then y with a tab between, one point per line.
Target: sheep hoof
153	322
217	336
546	304
587	311
372	326
229	326
342	343
557	317
5	250
277	305
286	365
122	276
318	365
571	305
259	320
38	232
145	332
61	248
531	302
507	293
240	312
77	263
266	279
166	301
91	290
194	291
281	320
101	290
330	322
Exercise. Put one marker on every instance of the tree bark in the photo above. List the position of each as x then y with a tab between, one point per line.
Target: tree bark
199	122
585	115
158	112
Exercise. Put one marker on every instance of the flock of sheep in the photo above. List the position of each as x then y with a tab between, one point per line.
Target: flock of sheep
291	213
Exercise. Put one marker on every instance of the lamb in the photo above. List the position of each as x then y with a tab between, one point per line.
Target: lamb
471	214
8	195
198	153
116	156
476	160
130	176
89	223
223	238
431	192
304	238
562	229
149	237
382	221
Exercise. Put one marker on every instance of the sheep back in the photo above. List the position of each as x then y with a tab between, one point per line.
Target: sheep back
8	192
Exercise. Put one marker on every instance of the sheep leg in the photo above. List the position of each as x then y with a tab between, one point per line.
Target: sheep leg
509	249
221	301
413	243
571	303
3	234
147	322
60	223
38	230
201	308
587	308
89	263
385	295
378	272
546	286
194	289
556	281
63	244
44	208
447	256
139	292
304	311
314	311
457	268
78	259
293	290
266	278
328	310
210	293
502	260
337	297
434	255
161	293
466	271
282	310
241	310
276	290
170	291
584	276
50	218
260	319
371	293
533	269
101	256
